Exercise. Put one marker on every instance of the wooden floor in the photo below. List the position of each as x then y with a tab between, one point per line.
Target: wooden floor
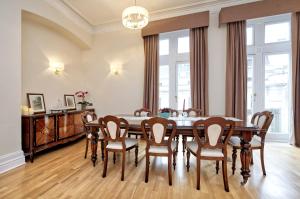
64	173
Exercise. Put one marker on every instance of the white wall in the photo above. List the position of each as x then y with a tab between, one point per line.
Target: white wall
113	94
40	45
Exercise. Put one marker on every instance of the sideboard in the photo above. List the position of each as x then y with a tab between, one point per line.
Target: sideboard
44	131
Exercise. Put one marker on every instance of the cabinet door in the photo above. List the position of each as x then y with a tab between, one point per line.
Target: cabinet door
78	124
65	126
44	129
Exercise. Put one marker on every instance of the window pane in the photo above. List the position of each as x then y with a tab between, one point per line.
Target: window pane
277	90
183	44
164	47
164	86
277	32
183	86
250	61
250	36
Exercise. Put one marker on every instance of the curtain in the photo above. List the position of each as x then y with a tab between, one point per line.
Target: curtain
296	77
151	81
236	70
199	68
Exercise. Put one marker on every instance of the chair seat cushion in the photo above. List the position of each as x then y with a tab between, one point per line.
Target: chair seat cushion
129	142
235	141
100	135
193	146
162	149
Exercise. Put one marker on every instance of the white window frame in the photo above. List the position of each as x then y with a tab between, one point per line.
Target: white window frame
172	59
258	50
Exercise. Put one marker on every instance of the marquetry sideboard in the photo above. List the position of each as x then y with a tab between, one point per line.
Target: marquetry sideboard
44	131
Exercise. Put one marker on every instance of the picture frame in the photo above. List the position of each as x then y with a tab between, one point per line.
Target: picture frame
36	102
70	102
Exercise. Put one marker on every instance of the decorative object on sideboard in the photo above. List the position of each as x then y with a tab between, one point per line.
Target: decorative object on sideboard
36	102
70	102
56	67
135	17
81	95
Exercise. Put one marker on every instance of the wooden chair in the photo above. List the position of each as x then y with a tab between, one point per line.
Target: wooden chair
191	112
263	120
87	117
143	112
212	147
158	144
115	140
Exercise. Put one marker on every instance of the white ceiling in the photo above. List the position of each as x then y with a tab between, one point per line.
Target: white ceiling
97	12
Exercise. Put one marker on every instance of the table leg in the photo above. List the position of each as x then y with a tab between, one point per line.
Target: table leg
94	145
245	156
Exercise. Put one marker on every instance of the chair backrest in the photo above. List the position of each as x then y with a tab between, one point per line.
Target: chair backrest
114	129
213	131
264	121
155	131
192	112
255	117
88	116
143	112
172	112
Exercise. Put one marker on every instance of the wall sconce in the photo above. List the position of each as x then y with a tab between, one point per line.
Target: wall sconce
56	67
115	69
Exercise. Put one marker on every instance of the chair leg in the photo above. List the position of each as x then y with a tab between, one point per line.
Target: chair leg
114	158
136	136
102	149
123	164
251	157
183	144
177	142
188	154
174	159
105	163
129	135
170	169
225	177
234	151
217	166
147	167
136	154
86	148
198	173
262	161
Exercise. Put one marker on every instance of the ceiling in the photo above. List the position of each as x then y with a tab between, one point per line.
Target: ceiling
97	12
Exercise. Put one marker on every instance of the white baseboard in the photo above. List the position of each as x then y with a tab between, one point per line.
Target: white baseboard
11	161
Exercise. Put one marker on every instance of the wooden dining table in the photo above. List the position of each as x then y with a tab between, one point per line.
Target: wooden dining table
245	131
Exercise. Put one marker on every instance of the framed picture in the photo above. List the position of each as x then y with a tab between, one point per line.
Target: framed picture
70	102
36	102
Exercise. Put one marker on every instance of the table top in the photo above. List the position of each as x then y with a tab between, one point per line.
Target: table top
182	122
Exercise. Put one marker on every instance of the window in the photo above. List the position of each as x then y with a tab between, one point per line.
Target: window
269	72
250	36
174	70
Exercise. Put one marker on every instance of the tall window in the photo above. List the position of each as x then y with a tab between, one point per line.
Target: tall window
269	71
174	70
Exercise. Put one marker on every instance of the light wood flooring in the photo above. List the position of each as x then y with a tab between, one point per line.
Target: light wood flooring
64	173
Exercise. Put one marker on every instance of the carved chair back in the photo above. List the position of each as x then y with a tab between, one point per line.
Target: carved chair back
155	132
264	121
192	112
172	112
114	129
87	117
213	131
143	112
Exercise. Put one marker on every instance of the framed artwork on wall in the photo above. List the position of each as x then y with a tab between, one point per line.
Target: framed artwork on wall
70	102
36	102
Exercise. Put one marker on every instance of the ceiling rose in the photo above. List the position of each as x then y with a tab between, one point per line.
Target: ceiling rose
135	17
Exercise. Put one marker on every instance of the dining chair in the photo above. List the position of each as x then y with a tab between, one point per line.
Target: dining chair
191	112
158	144
87	117
115	130
263	120
143	112
211	146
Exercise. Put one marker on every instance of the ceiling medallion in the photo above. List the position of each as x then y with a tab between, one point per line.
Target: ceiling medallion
135	17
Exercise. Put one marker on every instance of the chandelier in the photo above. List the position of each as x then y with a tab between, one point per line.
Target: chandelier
135	17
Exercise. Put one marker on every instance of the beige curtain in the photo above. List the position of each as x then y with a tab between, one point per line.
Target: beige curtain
151	73
296	77
199	68
236	70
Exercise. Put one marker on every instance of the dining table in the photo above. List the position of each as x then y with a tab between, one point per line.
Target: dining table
244	130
